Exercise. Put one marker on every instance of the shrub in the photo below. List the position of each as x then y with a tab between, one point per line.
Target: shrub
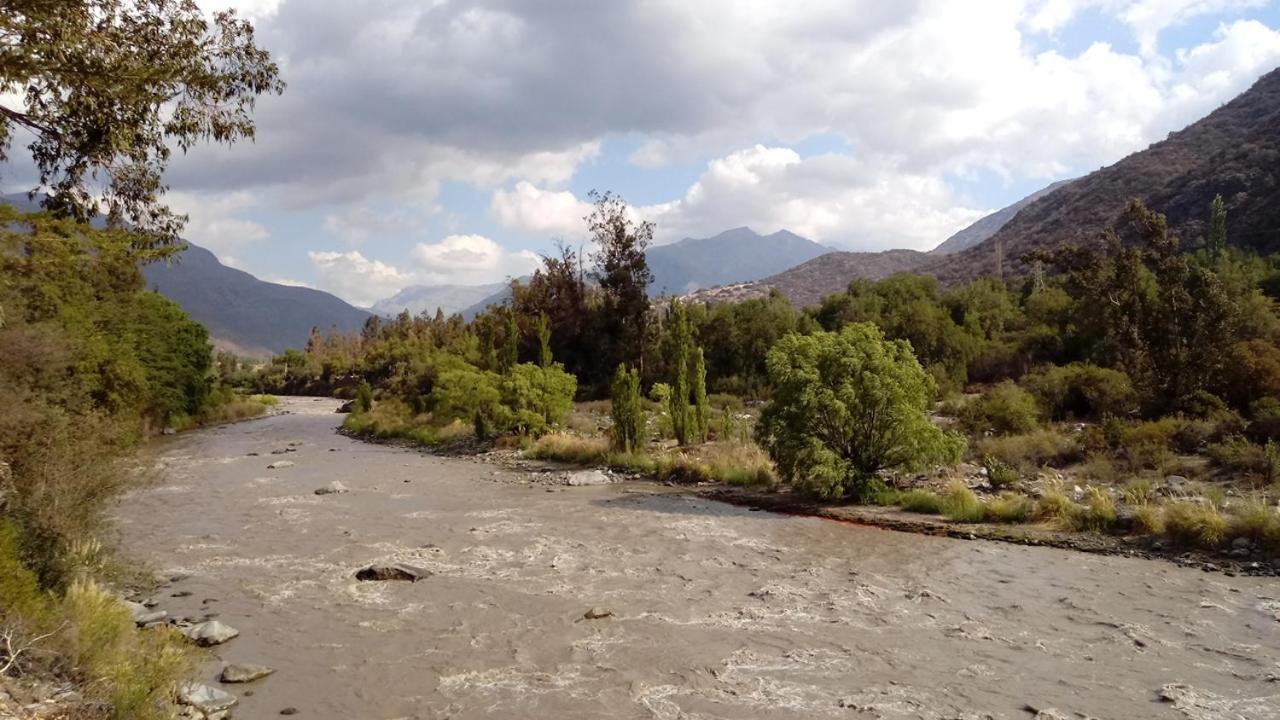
921	501
364	396
961	504
1148	519
1054	504
534	398
1005	409
846	405
1258	521
999	474
1010	508
1032	451
1097	514
1083	391
1194	524
569	448
1145	445
1239	455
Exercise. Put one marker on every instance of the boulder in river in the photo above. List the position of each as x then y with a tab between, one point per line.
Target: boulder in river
280	464
597	613
587	477
392	571
244	672
205	698
346	407
333	488
210	633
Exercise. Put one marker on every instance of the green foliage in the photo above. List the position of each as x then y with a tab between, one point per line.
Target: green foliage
845	406
131	81
961	504
701	408
921	501
1083	391
535	398
626	411
1195	524
999	474
683	424
364	396
544	340
1216	242
1032	451
510	353
1005	409
622	272
1010	508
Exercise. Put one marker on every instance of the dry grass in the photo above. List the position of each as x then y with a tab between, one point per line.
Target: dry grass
1032	451
1195	524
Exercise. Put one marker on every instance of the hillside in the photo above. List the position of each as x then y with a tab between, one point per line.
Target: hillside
245	314
734	256
418	299
809	282
1234	151
987	226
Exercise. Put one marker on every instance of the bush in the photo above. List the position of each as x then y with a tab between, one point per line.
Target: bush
845	406
1193	524
999	474
1097	514
1005	409
1236	454
364	396
1083	391
1010	508
959	503
1145	445
921	501
1257	520
1148	519
1030	452
569	448
1054	504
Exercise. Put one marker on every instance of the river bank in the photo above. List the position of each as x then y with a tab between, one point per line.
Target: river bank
709	609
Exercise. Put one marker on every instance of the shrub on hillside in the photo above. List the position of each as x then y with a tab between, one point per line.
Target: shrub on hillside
1032	451
1083	391
1005	409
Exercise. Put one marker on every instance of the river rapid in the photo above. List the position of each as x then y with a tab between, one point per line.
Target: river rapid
717	611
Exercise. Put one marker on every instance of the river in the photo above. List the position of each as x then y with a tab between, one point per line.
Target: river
717	611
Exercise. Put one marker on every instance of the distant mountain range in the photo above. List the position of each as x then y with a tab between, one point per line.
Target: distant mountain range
244	314
1234	151
418	299
734	256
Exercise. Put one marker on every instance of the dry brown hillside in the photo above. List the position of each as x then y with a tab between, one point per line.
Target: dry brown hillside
1234	151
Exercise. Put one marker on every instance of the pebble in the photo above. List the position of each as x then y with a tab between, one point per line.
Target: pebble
289	711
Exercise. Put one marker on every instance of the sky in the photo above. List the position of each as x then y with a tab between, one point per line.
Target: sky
448	142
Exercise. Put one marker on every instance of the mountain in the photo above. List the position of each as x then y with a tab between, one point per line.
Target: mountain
808	283
734	256
418	299
1234	151
987	226
245	314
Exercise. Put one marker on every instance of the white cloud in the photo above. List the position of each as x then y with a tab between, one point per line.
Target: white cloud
213	223
357	279
835	199
465	259
530	209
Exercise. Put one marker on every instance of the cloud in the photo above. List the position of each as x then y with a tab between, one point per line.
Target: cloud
356	278
462	259
213	223
833	198
529	209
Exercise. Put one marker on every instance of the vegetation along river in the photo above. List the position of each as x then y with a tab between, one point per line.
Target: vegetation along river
717	611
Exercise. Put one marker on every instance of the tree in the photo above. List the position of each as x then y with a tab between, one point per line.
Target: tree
847	405
544	340
1216	243
364	396
108	87
623	275
626	410
701	408
683	424
510	354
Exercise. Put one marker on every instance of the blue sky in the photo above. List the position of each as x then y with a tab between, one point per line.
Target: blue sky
450	142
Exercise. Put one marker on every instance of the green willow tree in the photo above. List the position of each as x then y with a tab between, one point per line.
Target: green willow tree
623	274
544	340
847	405
105	89
701	407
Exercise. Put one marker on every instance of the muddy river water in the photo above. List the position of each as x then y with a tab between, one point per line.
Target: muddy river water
718	611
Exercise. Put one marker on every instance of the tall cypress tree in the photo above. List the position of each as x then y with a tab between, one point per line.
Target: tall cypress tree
1217	241
701	409
681	418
